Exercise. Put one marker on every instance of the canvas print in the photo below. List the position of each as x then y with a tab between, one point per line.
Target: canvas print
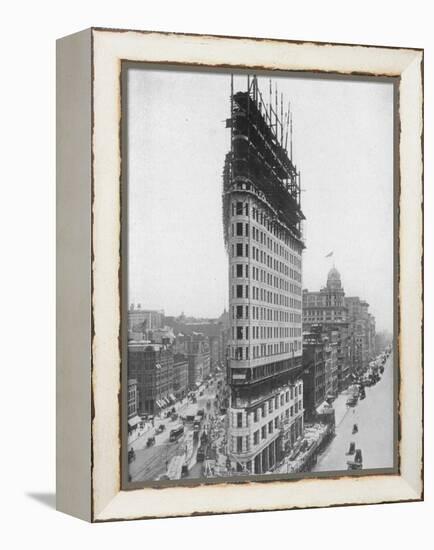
259	308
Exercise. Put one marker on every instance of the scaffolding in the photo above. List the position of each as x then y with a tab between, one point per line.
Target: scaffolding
259	160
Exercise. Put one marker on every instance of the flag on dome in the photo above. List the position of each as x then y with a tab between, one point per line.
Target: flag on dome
329	254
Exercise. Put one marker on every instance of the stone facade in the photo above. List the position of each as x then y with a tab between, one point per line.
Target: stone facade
328	308
152	366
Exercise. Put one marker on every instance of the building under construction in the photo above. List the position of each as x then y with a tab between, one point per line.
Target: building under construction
262	220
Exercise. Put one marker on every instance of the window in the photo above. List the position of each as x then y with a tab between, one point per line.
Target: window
255	415
264	432
239	291
240	249
239	312
270	427
239	270
239	333
239	229
256	438
239	420
239	444
276	422
239	209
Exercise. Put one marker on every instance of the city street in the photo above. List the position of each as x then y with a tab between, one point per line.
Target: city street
151	462
374	418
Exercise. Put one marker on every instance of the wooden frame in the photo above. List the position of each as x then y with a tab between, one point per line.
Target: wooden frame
88	273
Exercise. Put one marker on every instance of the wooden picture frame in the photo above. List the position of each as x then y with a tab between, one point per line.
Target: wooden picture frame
89	281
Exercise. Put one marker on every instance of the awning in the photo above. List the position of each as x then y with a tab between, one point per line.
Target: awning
159	404
172	397
324	408
134	421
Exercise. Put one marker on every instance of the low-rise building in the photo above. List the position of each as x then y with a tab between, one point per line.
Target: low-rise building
144	319
320	367
334	337
314	385
180	376
152	366
361	332
133	418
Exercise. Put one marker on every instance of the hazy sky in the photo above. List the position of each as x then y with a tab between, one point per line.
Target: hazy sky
343	146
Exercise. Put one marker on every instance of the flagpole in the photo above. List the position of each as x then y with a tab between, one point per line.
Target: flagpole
331	255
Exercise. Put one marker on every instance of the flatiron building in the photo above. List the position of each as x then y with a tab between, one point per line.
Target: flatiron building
262	220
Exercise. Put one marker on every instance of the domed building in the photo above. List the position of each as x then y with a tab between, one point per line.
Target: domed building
334	279
348	329
327	305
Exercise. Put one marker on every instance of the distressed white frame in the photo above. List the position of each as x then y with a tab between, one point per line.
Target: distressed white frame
107	501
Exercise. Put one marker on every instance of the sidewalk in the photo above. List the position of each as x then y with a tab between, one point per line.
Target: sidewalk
340	406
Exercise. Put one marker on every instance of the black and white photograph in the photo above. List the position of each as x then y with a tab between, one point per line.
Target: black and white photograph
259	271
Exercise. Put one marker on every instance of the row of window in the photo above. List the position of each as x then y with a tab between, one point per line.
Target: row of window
240	208
265	314
241	271
261	217
321	316
263	295
242	444
241	229
241	250
132	394
242	353
323	303
261	238
258	332
260	412
335	313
